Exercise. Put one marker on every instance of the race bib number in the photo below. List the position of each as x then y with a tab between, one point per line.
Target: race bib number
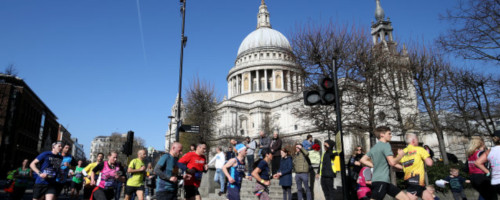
78	175
51	173
109	183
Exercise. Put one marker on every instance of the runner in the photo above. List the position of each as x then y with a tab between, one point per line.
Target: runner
381	157
414	169
166	169
67	162
105	184
194	164
45	183
235	177
77	181
87	189
262	175
22	178
135	184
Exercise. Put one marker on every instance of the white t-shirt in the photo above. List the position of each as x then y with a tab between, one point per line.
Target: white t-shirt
494	159
220	160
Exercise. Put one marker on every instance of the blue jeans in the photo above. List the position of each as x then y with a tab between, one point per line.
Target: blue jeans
220	178
250	160
303	178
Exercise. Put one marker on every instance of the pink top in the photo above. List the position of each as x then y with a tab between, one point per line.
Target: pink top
472	167
107	176
364	175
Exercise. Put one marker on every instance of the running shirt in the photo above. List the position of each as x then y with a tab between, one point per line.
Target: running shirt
378	154
78	177
108	173
413	164
87	170
365	174
494	159
473	169
64	171
264	170
137	178
49	164
23	178
196	162
237	173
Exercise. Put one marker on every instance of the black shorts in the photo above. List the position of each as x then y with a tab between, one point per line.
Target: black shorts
190	191
166	195
380	189
59	188
100	194
76	186
129	190
415	189
40	190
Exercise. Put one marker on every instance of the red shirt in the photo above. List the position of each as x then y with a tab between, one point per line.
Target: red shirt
472	167
194	161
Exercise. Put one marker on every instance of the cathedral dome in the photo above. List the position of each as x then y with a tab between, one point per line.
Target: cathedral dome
264	37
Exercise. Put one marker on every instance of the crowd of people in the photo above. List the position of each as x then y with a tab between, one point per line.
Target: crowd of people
56	170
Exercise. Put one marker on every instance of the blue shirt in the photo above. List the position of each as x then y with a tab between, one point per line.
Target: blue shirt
49	164
307	145
64	171
166	168
237	173
264	170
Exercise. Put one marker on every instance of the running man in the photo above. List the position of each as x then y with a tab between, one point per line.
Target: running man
67	162
105	183
45	183
135	184
167	171
235	177
381	157
414	169
87	189
77	181
194	164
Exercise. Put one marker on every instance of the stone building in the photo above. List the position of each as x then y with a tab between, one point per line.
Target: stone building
27	126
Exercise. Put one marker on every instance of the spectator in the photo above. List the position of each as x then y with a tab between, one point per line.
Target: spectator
307	143
22	178
429	150
493	157
364	182
456	184
327	168
302	167
478	178
230	153
192	148
264	143
275	149
285	174
251	146
150	181
355	166
219	177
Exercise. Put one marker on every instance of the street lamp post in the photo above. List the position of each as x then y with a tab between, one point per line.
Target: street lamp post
169	131
345	184
183	43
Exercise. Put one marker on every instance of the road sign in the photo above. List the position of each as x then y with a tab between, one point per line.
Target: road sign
190	129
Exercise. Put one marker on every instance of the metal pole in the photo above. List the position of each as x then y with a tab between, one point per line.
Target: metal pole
169	132
183	43
339	129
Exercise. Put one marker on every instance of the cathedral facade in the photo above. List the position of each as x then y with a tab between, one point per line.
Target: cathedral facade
265	85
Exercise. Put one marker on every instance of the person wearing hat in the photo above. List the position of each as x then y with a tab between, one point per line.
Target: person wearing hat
492	156
236	172
327	168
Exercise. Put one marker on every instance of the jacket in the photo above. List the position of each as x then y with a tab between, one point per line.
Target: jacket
300	163
286	167
276	147
265	142
333	156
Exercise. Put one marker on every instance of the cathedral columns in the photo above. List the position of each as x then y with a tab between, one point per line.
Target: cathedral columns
288	83
258	80
265	82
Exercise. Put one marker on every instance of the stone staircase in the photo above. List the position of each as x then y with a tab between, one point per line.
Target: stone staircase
247	187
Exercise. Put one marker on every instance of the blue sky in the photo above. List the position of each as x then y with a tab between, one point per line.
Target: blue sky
90	64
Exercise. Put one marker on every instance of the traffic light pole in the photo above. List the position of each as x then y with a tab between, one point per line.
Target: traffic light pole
183	43
339	129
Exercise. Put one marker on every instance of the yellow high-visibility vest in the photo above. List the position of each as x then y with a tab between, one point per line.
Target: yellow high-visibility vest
335	163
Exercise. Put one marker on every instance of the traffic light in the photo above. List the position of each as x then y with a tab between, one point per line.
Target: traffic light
126	149
324	96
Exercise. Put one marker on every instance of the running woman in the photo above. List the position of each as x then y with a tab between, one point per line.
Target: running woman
236	173
109	172
45	183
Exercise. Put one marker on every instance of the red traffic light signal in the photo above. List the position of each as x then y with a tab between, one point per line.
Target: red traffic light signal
324	96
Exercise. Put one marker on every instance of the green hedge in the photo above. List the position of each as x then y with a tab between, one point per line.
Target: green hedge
440	171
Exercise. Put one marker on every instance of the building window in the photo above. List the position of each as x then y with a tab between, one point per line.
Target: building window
295	126
242	132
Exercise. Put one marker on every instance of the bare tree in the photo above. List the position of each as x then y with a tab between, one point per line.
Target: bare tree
429	74
11	70
201	105
476	31
316	47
